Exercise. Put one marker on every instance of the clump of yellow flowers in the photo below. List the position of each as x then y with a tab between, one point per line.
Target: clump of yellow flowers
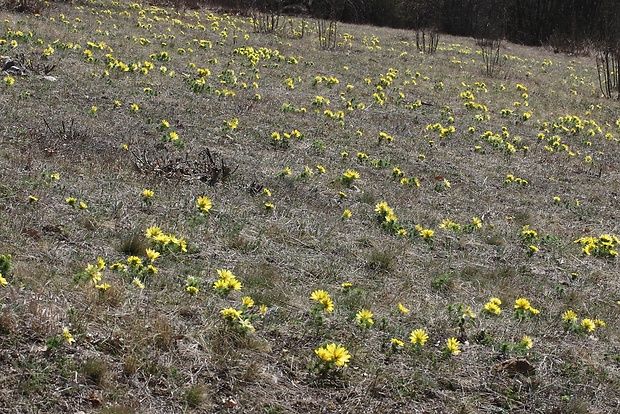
226	282
523	309
239	319
332	355
601	246
324	301
586	325
165	242
492	307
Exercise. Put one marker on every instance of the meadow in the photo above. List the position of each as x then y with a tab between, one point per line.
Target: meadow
200	216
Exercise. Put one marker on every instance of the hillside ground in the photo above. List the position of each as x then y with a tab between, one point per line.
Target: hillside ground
196	216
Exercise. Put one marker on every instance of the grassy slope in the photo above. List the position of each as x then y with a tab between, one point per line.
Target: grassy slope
162	350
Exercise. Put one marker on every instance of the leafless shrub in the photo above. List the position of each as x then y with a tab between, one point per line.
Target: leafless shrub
491	49
60	136
608	66
206	167
24	65
267	22
327	31
427	40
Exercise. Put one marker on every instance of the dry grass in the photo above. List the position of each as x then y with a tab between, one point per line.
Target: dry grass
162	349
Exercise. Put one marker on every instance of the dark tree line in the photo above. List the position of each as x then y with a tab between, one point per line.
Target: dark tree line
561	23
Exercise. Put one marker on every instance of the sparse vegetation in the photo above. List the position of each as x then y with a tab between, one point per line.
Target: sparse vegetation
199	214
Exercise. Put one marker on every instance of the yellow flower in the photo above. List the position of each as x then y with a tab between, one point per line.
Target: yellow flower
522	303
67	335
491	307
346	214
322	297
147	194
153	232
340	355
118	267
350	175
418	336
100	263
3	281
204	204
231	314
93	272
469	313
453	346
383	208
337	354
152	254
182	245
427	233
103	287
402	309
397	343
247	301
134	261
138	283
262	310
526	342
83	205
192	290
328	306
587	249
319	295
225	274
246	325
364	317
226	282
588	324
496	301
220	284
323	353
